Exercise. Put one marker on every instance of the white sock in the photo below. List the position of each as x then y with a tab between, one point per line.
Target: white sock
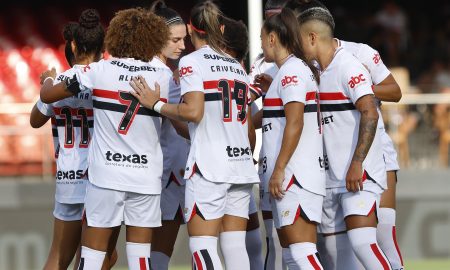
289	260
386	237
91	259
273	259
160	260
306	256
254	249
138	256
364	244
336	252
234	251
204	253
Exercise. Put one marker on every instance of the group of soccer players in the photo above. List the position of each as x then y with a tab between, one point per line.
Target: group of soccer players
142	145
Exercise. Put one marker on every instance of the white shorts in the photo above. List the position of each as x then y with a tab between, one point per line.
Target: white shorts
68	212
106	208
389	152
212	200
252	207
172	201
340	203
297	202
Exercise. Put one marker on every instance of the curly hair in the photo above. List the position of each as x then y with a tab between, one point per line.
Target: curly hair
136	33
236	34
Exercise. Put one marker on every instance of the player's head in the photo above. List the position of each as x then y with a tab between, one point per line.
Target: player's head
206	25
316	25
136	33
177	29
273	7
85	37
236	35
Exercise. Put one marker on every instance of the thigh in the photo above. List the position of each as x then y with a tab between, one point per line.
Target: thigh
388	196
139	234
164	237
97	238
142	210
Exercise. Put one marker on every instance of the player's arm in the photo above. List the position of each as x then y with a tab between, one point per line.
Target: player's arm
251	129
181	128
388	90
37	118
257	119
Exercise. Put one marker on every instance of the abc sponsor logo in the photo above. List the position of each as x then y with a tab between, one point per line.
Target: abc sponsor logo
289	80
133	158
185	71
356	80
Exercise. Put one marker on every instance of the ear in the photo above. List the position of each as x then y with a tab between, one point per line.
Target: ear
73	46
189	29
222	28
272	39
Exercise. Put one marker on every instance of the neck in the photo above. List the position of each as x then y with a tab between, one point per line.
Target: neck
163	58
281	57
85	60
200	43
326	54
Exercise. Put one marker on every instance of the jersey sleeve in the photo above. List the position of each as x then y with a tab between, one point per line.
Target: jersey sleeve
191	78
355	80
164	82
254	71
45	109
372	60
292	87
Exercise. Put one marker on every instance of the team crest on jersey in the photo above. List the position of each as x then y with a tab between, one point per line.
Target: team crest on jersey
288	81
356	80
185	71
376	58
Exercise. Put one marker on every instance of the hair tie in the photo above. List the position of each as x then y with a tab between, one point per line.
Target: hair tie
195	28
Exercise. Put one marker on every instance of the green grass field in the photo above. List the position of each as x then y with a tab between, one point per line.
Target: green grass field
410	265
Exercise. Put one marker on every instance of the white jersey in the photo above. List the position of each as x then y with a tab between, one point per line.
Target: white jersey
220	149
125	152
372	60
342	83
175	148
260	66
72	120
294	82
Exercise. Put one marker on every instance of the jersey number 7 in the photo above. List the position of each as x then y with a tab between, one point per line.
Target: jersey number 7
239	94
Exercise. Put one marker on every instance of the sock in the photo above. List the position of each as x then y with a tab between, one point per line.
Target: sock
254	249
91	259
305	256
336	252
234	251
386	237
364	244
160	260
288	260
138	256
204	253
273	259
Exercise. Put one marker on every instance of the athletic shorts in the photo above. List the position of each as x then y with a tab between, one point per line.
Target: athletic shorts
68	212
340	203
389	152
172	201
252	207
265	200
211	200
297	202
106	208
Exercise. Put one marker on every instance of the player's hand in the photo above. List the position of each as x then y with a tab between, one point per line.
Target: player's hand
354	176
48	73
263	81
276	184
142	92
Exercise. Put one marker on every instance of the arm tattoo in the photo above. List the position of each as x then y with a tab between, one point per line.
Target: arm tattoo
367	130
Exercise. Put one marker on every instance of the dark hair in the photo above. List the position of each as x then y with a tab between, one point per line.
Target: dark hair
286	27
274	4
206	20
136	33
89	33
307	10
236	34
170	16
68	37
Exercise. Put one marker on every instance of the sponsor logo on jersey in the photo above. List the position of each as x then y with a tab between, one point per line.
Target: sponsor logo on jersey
133	158
376	58
327	120
266	127
238	151
285	214
289	80
70	175
186	71
323	162
356	80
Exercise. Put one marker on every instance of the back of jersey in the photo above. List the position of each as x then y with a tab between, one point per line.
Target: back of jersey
125	152
220	149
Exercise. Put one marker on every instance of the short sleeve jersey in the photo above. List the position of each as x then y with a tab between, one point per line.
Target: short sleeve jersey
294	82
220	149
261	66
125	152
174	147
372	60
72	118
342	83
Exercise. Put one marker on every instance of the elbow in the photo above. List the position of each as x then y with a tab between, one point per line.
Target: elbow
33	124
196	116
398	96
45	98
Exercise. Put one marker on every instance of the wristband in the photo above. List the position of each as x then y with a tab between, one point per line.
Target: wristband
158	106
48	78
73	85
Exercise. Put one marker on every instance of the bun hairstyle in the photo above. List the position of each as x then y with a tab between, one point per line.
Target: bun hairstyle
236	34
68	37
274	4
307	10
206	21
169	15
285	26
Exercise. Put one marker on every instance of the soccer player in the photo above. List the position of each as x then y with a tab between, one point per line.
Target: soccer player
236	36
74	123
292	142
220	172
125	157
175	148
356	173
